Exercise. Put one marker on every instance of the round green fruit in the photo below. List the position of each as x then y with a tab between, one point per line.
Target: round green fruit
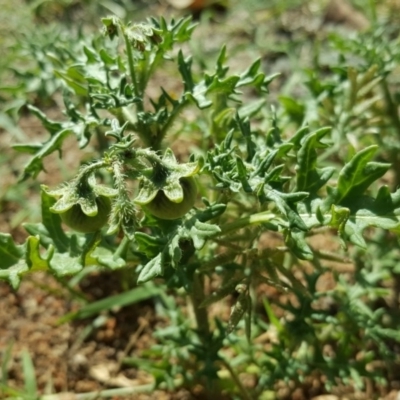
77	220
162	207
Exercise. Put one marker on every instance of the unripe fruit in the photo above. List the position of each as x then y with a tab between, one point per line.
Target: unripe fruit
162	207
77	220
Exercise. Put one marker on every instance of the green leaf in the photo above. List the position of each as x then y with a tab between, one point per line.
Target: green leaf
27	148
105	258
293	108
226	86
254	78
152	269
51	126
34	259
168	245
52	223
148	244
64	264
29	376
225	290
185	68
212	211
381	212
10	253
74	78
35	165
13	264
132	296
243	175
60	263
356	176
298	245
285	207
309	177
198	95
199	232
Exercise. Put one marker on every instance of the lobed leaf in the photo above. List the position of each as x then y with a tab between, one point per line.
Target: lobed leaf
309	177
356	176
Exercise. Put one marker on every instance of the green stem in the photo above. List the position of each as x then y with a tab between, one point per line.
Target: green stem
121	249
197	296
101	139
87	170
175	112
245	395
132	72
394	116
391	106
254	219
372	6
128	116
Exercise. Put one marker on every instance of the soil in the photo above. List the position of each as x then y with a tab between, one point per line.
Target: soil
66	358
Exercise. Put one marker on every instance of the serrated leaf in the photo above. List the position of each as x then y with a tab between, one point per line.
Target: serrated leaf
200	231
293	217
108	260
51	126
35	165
60	263
251	108
64	264
297	244
93	254
13	274
298	137
213	211
74	79
27	148
226	86
381	212
52	223
353	233
40	230
309	177
149	245
185	66
10	253
243	175
13	264
357	175
152	269
198	96
174	251
33	257
257	79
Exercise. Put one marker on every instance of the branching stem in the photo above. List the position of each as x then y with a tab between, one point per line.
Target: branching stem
253	219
